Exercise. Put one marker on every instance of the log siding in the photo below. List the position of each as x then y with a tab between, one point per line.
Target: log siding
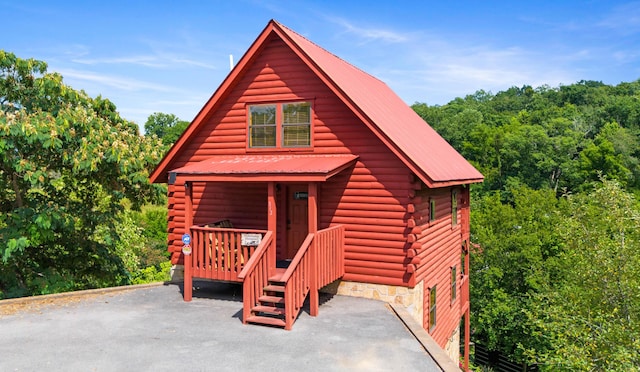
439	246
371	200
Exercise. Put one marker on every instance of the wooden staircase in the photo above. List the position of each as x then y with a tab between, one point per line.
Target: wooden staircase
274	296
270	310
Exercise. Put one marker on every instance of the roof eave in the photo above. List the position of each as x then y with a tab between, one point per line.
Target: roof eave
160	173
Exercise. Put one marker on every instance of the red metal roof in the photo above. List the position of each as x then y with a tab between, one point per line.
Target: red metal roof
267	167
418	145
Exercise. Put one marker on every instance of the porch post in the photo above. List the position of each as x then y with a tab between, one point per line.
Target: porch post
313	228
467	337
188	222
272	223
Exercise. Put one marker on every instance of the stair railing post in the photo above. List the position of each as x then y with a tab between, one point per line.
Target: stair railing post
314	303
314	300
272	223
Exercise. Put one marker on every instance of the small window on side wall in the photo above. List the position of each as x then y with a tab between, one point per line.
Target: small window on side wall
432	308
454	282
432	209
454	207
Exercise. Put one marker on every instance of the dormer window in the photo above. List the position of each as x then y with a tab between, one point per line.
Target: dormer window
280	125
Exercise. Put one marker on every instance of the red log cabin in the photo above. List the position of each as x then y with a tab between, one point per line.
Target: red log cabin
303	172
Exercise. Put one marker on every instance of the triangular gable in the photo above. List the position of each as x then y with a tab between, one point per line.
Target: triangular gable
405	133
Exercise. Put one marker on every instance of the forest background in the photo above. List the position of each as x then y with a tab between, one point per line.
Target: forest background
555	266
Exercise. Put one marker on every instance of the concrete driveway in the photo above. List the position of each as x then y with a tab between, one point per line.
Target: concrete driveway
152	329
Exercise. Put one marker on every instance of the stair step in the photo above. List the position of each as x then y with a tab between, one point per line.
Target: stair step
271	300
274	288
266	320
268	309
278	275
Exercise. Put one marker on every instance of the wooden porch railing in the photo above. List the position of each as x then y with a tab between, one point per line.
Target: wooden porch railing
255	274
218	253
319	261
330	256
297	280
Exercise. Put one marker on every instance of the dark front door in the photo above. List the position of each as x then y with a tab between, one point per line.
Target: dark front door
297	218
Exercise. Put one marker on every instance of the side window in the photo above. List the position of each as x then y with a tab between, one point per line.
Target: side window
432	308
454	282
454	207
432	209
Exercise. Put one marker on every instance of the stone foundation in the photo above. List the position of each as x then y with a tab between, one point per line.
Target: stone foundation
409	298
453	346
177	273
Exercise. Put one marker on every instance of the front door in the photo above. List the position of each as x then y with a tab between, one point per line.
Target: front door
297	218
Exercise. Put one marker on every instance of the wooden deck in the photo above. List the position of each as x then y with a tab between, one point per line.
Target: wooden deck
278	300
218	253
271	295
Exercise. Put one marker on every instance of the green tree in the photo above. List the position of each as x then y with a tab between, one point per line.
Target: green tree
67	162
516	260
543	151
167	127
590	315
611	153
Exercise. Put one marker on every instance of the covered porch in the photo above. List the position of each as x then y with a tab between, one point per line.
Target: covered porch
273	294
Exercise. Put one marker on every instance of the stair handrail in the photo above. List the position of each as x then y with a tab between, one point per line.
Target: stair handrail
299	280
304	247
255	274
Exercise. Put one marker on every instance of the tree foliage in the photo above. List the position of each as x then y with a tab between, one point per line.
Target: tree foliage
554	281
67	163
517	258
590	317
560	138
167	127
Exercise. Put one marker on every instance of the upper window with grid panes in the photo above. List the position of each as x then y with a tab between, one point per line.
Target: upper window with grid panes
280	125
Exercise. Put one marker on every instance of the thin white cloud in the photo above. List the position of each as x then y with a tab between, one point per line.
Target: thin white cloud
193	63
439	70
155	61
74	50
126	84
370	34
195	102
148	61
624	19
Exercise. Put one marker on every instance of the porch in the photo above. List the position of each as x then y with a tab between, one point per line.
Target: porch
272	295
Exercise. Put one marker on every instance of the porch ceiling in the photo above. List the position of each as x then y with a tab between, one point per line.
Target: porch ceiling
260	168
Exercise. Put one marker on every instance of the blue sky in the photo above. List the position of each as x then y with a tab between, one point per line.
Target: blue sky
169	56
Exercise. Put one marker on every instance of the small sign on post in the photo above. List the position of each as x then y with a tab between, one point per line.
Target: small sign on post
251	240
186	239
186	249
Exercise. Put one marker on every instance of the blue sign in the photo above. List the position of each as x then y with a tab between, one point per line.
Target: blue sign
186	239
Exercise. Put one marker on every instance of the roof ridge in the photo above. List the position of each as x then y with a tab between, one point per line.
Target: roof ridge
327	51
